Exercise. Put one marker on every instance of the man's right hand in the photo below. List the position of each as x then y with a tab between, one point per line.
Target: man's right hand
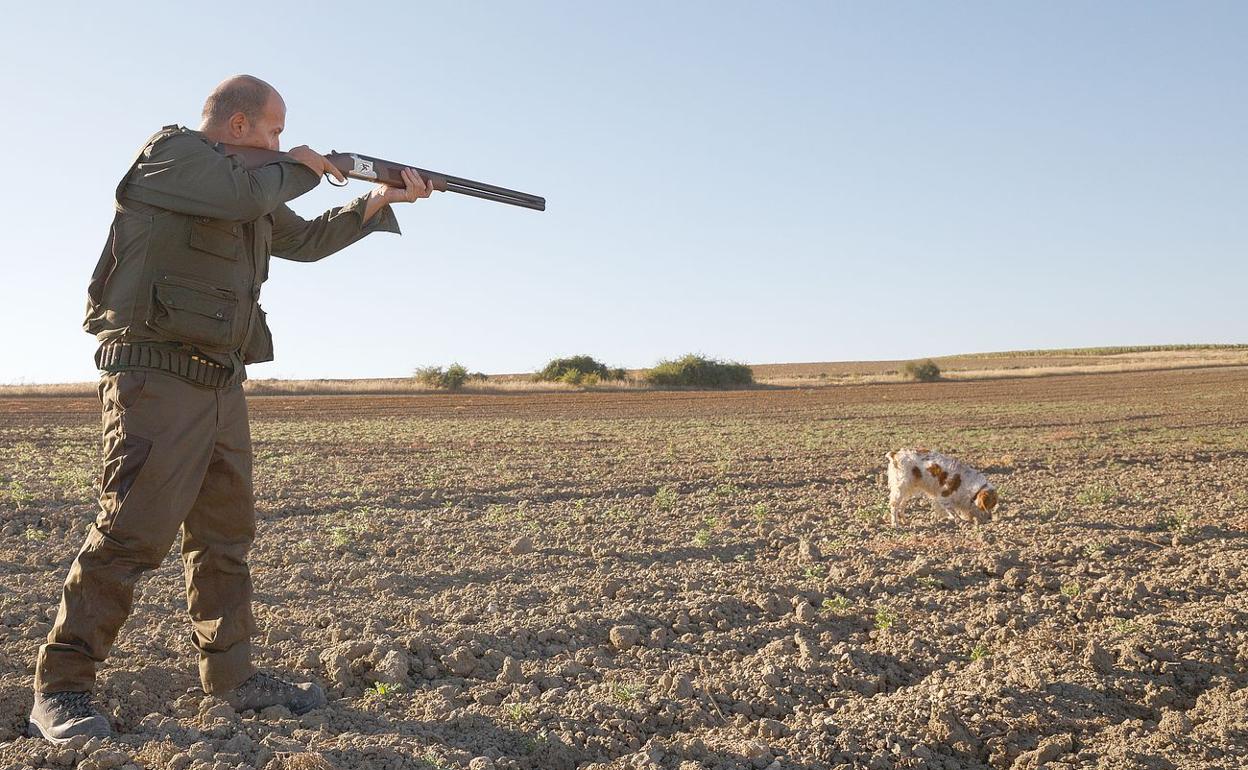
315	161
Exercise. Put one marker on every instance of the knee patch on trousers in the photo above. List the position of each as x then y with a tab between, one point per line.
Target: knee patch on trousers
134	553
122	469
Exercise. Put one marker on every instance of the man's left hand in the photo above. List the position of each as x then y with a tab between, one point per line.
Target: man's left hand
415	187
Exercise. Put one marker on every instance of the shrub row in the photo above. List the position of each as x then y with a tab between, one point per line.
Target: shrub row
697	371
687	371
452	377
578	370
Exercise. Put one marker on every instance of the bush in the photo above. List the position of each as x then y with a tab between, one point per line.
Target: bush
578	370
701	372
451	378
922	371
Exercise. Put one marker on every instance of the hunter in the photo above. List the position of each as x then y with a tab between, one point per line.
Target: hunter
174	302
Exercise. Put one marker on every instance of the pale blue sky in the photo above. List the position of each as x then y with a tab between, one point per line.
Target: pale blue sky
758	181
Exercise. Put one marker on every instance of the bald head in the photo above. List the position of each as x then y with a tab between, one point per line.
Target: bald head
245	110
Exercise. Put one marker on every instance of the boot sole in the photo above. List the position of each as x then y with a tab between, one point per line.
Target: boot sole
34	730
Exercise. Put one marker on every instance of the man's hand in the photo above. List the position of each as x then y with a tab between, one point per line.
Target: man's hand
414	188
315	161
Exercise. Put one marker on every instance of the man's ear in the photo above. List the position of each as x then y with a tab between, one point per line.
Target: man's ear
238	125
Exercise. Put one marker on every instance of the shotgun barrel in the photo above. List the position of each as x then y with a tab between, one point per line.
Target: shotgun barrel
368	168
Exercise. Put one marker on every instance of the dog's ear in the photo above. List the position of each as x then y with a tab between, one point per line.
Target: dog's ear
986	500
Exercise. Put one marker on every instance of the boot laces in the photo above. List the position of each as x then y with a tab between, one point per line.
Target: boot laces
73	705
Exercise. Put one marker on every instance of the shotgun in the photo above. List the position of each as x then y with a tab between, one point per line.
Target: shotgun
355	166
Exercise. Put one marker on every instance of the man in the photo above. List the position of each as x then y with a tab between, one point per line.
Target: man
174	303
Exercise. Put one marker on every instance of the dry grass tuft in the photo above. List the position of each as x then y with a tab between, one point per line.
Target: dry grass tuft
157	753
304	760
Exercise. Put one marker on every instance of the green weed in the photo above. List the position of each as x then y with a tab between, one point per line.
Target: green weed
665	499
884	618
1097	494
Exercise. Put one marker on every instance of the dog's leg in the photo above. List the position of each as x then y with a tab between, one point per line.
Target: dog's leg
895	502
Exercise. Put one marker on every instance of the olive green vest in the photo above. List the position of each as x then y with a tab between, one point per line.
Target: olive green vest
172	277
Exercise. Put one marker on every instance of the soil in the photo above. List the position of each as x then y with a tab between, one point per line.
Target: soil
685	580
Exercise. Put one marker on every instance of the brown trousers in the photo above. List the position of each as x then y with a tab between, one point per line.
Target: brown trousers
176	455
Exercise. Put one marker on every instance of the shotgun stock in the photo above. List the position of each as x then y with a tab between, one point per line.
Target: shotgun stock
368	168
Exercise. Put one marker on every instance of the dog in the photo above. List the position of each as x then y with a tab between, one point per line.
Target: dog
952	486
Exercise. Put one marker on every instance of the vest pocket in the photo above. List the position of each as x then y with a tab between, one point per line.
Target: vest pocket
260	347
216	237
192	312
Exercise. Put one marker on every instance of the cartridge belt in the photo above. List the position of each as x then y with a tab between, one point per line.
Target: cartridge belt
120	356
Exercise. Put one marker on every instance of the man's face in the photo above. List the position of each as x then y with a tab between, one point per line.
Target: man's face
265	132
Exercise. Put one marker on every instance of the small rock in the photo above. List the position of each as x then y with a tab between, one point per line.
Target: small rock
771	728
770	604
511	671
481	763
61	757
1098	658
1015	577
219	710
805	612
1049	749
612	587
1174	723
625	637
682	687
522	545
758	754
807	551
461	661
78	743
337	667
393	668
107	759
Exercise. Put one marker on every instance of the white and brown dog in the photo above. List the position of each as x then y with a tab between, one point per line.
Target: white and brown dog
952	486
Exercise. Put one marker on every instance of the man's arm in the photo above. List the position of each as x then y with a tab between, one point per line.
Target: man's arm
302	240
183	173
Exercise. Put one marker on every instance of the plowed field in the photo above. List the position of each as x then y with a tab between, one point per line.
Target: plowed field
686	580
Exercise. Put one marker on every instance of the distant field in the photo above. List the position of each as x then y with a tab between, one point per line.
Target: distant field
1017	363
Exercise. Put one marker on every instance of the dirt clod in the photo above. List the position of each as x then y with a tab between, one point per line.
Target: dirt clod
625	637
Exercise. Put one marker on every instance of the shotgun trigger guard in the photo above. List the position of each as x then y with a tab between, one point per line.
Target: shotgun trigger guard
330	178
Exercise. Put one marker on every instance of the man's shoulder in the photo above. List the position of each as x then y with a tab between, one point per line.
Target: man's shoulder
176	134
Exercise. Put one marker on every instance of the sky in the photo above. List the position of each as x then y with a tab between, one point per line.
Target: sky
760	182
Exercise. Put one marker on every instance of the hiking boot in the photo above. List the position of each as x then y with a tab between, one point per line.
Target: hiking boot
60	716
262	690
